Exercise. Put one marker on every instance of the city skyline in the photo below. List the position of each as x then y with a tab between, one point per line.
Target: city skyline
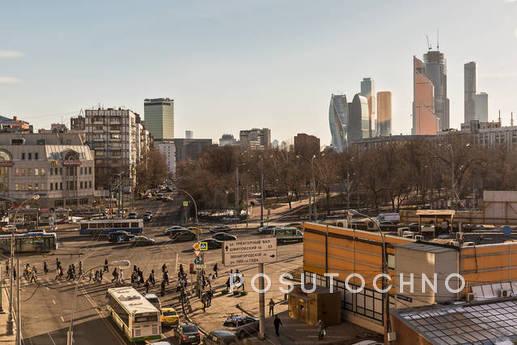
193	68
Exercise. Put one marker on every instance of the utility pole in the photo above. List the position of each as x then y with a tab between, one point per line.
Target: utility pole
19	305
237	192
1	292
11	283
262	303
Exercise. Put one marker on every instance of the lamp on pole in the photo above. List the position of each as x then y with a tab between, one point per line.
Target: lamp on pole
70	333
11	264
384	264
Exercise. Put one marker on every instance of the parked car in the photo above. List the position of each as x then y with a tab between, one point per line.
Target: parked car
267	229
223	236
169	317
221	337
188	333
151	297
220	228
368	342
213	243
242	325
183	236
147	217
170	230
142	241
120	236
132	215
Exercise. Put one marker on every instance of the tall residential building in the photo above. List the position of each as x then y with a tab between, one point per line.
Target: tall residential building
359	119
168	150
255	138
112	135
436	71
159	117
338	122
57	166
475	104
368	91
384	113
190	149
425	120
78	123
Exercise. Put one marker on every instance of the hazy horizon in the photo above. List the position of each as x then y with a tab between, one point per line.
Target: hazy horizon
239	64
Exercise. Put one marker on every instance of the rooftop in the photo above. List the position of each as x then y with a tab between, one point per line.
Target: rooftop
475	323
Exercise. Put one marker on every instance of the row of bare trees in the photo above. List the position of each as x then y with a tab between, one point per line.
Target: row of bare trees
449	170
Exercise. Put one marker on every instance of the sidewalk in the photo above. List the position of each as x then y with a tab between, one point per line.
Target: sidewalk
292	332
4	338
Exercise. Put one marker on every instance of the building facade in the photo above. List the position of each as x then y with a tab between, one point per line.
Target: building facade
383	113
159	117
190	149
78	123
475	104
112	135
227	140
57	166
436	71
425	120
306	145
14	125
168	150
368	91
359	119
255	139
338	122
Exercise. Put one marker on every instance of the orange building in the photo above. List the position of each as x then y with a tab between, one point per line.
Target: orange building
425	120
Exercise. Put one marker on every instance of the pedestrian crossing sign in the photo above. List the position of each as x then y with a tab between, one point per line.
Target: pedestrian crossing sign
203	246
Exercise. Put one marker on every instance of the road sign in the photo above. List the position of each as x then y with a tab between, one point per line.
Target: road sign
248	252
185	203
203	246
196	246
198	260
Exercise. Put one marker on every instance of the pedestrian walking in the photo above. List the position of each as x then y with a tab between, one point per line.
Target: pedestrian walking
271	307
216	269
277	323
162	288
146	286
322	330
106	266
45	267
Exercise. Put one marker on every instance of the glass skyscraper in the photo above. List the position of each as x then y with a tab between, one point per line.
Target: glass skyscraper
159	117
338	121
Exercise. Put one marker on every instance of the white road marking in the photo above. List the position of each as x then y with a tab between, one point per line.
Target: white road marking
62	318
54	301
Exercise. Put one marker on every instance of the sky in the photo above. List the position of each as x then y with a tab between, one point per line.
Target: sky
237	64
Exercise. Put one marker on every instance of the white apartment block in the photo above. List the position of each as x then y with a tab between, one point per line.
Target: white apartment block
168	150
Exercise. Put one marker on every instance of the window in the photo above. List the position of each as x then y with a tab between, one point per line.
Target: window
90	170
36	172
29	156
36	155
81	185
61	185
391	261
51	186
90	184
23	155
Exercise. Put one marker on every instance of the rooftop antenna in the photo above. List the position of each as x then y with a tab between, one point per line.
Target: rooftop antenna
511	119
428	43
437	39
499	116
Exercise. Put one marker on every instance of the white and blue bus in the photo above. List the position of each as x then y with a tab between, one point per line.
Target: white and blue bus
104	227
134	315
30	242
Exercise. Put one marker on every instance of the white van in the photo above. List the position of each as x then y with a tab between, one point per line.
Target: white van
393	218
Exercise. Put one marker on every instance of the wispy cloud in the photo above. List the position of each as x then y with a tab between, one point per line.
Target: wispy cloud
9	80
11	54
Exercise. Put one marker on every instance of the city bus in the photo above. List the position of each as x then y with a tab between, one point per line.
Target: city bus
287	235
104	227
30	242
135	316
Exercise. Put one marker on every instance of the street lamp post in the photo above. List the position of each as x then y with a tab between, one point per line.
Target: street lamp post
70	333
11	264
193	201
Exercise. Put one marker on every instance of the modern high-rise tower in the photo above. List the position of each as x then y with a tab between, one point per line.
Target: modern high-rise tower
359	119
436	71
384	113
368	91
425	121
159	117
338	122
476	104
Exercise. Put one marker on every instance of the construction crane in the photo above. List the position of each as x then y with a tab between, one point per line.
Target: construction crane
428	43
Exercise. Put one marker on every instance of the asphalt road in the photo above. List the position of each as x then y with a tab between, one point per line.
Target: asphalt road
47	307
